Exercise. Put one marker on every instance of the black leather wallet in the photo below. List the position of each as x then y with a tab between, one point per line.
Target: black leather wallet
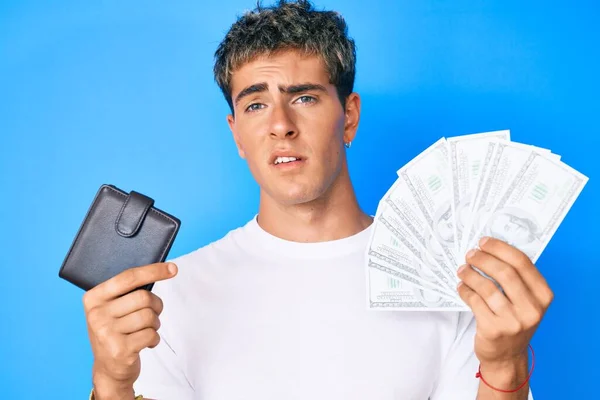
119	231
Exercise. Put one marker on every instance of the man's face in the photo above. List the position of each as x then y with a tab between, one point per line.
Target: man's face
285	107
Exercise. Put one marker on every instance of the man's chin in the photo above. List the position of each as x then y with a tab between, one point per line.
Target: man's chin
298	200
295	193
295	197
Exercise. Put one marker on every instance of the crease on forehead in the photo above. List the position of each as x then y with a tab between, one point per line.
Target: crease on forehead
303	67
273	55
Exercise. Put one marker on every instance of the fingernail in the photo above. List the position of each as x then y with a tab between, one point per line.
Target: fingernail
462	268
483	240
172	269
471	253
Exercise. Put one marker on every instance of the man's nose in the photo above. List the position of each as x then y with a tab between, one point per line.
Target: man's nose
282	124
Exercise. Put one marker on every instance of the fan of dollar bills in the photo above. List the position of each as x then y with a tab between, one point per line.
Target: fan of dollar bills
448	197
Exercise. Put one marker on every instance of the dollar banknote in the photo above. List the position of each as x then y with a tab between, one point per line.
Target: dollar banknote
386	292
429	180
400	201
392	247
468	156
501	169
534	204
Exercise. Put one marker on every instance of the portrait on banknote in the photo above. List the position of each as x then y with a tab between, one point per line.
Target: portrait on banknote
516	227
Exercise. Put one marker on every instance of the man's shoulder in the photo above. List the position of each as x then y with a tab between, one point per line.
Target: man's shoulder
225	246
201	268
214	256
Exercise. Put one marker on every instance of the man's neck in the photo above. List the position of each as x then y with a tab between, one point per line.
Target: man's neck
333	216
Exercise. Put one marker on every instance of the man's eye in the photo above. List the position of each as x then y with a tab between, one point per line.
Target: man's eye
254	107
306	99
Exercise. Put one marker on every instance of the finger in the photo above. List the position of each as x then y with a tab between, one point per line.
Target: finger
134	278
479	307
497	302
522	263
507	277
139	340
137	321
133	302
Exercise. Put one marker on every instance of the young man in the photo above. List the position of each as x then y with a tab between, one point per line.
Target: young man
276	309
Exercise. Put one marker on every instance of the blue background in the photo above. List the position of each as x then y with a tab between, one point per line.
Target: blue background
122	92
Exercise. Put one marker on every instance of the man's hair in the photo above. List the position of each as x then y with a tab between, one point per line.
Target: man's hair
294	25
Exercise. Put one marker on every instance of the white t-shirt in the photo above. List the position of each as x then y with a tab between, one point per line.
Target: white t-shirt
252	316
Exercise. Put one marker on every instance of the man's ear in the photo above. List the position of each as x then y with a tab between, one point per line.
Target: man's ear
352	118
236	138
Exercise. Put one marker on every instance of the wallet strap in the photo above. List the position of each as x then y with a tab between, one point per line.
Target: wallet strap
132	213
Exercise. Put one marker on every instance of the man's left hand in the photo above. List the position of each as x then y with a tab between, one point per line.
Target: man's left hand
506	321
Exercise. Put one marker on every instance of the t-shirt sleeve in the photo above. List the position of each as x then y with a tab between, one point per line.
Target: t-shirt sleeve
163	375
457	377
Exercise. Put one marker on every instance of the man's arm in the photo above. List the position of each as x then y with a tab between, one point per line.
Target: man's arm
121	322
456	377
506	320
508	376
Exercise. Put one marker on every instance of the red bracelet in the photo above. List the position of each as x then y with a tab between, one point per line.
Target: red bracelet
478	375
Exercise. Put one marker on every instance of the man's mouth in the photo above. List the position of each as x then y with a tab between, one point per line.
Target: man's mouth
286	160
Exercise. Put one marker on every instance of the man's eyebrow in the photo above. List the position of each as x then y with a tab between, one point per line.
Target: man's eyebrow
256	88
291	89
303	87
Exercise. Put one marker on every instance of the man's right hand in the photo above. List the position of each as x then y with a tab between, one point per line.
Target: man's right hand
120	324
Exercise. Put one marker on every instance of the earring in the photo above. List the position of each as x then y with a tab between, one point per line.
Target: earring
348	144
